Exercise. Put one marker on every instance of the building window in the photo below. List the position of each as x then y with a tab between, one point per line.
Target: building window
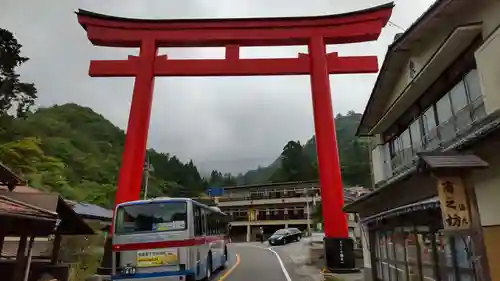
378	257
429	127
463	251
475	95
473	85
426	253
406	146
429	120
458	96
350	217
412	260
419	253
455	257
459	102
416	136
444	114
439	123
351	232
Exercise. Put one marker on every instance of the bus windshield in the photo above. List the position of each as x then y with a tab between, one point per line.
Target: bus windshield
151	217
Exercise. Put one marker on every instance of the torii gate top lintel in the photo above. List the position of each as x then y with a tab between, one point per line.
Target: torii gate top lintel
358	26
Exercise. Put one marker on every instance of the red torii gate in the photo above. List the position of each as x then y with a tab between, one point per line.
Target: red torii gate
315	32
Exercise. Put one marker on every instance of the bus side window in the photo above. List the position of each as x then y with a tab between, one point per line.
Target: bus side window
209	223
198	226
217	224
220	229
203	221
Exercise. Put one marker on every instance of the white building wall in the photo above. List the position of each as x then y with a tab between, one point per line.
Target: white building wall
378	159
487	189
488	63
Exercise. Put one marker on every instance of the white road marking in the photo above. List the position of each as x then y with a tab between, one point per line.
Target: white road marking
282	265
287	276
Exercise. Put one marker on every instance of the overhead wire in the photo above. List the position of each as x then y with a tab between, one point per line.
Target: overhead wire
391	23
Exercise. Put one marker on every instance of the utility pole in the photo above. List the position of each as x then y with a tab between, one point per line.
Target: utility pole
308	213
249	226
147	168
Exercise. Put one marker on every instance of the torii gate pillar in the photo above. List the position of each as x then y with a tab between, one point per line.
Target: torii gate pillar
315	32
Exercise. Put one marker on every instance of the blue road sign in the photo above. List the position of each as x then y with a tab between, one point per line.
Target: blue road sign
215	191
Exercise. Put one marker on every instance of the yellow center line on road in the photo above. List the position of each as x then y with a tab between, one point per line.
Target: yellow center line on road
226	274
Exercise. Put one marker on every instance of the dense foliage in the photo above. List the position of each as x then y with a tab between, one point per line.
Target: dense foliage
300	162
295	165
14	95
74	151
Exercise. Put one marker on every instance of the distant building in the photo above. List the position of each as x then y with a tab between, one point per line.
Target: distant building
436	99
274	206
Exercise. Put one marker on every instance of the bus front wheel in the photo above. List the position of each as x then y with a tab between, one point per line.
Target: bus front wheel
224	259
208	276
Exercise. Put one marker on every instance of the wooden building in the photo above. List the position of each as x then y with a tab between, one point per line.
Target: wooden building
434	123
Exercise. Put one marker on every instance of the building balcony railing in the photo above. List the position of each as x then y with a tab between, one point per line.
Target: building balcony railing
269	217
270	195
442	134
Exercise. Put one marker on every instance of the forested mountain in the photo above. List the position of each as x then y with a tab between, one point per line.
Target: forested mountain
74	151
353	153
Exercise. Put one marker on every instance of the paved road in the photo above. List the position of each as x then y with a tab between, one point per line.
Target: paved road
258	262
254	263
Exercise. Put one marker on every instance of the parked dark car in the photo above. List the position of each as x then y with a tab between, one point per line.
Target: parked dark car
296	232
284	236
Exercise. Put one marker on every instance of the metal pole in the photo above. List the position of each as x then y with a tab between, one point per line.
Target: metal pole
146	178
29	258
249	227
146	184
308	215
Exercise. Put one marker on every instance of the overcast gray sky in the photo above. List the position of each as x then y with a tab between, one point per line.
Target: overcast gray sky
230	124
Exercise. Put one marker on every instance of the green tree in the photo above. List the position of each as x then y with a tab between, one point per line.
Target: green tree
353	154
218	179
76	152
295	164
13	92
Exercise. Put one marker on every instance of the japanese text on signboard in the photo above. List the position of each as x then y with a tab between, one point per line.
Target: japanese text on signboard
454	205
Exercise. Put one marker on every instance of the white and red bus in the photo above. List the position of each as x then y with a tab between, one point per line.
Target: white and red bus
168	239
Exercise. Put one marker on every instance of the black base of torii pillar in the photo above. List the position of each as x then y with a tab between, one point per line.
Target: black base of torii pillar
339	255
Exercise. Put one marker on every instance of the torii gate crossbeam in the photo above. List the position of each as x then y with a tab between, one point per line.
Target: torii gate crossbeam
315	32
